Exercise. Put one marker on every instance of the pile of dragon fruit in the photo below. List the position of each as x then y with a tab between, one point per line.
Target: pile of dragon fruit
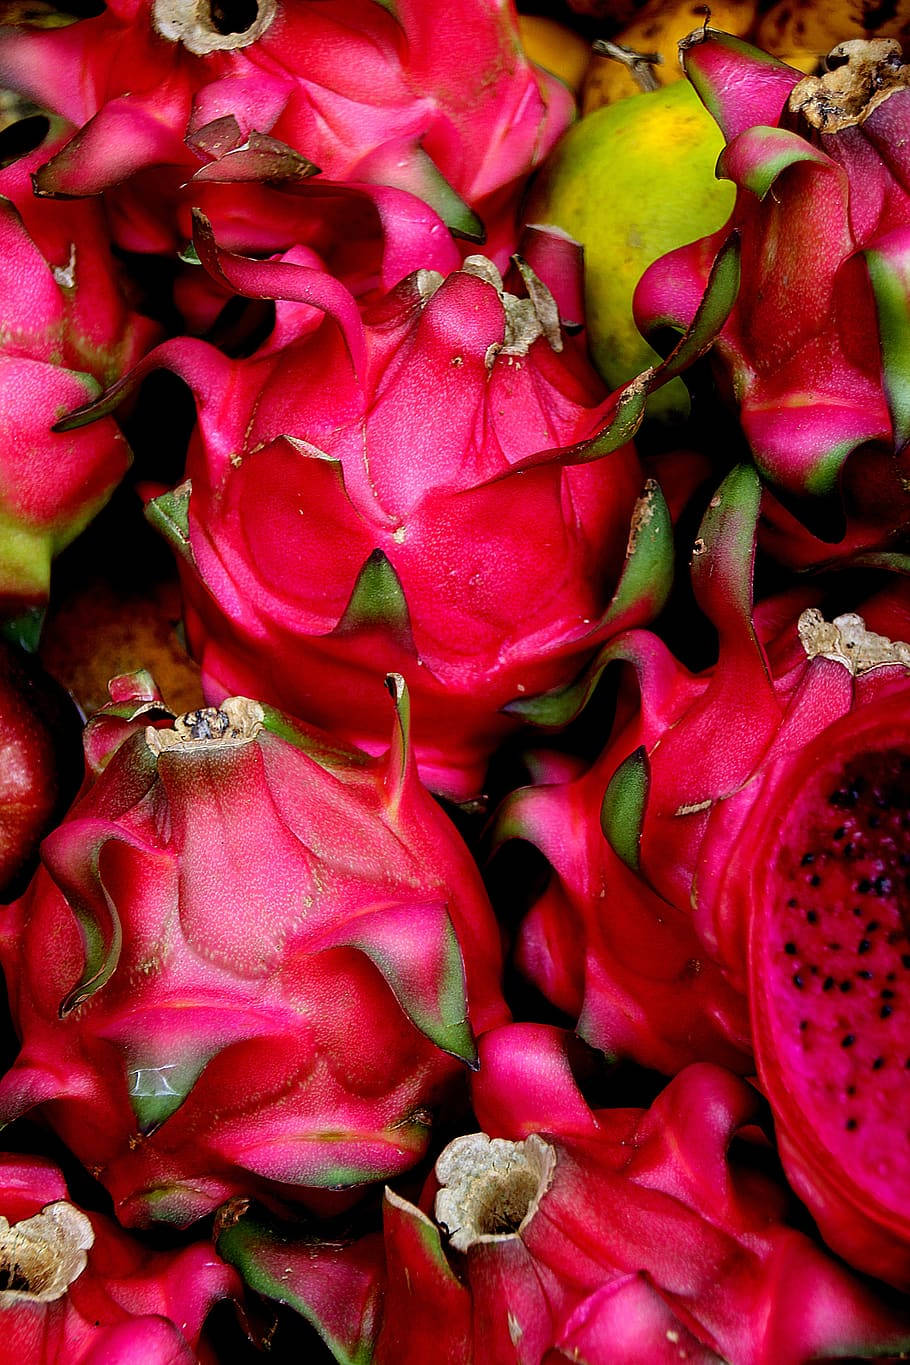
507	960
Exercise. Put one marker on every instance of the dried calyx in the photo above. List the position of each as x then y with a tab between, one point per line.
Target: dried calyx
236	721
40	1257
862	74
204	26
526	319
848	642
490	1188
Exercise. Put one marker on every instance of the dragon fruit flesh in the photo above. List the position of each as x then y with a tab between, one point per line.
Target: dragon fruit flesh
562	1233
74	1287
787	708
433	114
829	975
813	348
396	495
67	333
272	953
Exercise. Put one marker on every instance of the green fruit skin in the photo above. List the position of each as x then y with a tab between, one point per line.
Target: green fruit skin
632	181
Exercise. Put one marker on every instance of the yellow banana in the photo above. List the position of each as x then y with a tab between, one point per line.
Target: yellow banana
556	48
813	26
657	29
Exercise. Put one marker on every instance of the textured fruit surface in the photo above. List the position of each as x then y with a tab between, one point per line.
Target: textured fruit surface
562	1233
421	454
272	954
75	1287
812	350
630	183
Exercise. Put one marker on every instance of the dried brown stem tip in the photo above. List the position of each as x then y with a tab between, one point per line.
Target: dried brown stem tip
236	721
204	26
640	64
490	1188
862	74
42	1256
848	642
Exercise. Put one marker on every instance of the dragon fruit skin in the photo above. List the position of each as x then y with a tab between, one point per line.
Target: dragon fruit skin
409	457
418	107
272	953
812	347
92	1293
29	769
562	1233
647	829
67	333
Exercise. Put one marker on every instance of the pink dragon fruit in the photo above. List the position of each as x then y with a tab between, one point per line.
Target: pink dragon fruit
432	114
814	346
33	750
74	1287
398	494
66	334
777	725
271	954
561	1233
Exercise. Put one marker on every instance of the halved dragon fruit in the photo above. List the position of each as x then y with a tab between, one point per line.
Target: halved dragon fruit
671	839
828	907
814	347
566	1234
66	332
271	955
74	1287
431	117
412	492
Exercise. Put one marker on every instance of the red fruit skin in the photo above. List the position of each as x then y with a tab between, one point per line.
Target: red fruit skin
67	333
30	784
809	352
130	1303
269	960
656	1233
422	464
418	117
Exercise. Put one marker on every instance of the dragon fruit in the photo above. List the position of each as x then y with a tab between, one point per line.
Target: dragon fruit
434	115
813	349
421	461
775	724
67	333
75	1287
561	1233
33	753
271	954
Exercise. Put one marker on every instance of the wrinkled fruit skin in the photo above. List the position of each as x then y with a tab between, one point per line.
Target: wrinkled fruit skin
606	1236
271	952
118	1301
811	350
417	121
675	824
67	333
391	496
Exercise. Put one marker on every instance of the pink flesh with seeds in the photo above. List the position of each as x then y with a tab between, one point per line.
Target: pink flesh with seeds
831	959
